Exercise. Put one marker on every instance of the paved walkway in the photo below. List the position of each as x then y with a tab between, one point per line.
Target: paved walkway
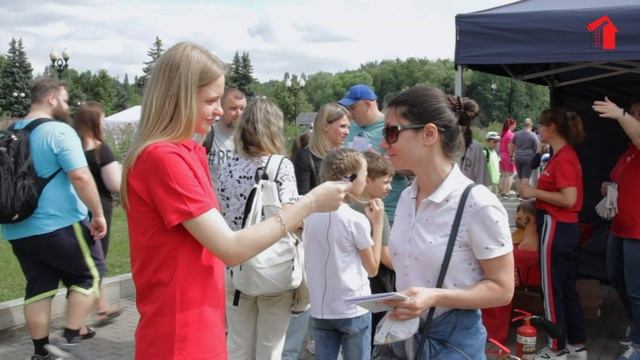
113	342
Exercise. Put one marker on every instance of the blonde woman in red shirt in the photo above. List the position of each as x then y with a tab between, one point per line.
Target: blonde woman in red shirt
179	239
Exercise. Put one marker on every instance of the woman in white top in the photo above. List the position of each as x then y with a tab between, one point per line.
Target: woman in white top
256	325
480	274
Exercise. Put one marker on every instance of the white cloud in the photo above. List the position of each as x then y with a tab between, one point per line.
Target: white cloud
280	35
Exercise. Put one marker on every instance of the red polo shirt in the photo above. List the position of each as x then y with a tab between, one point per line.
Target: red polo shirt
179	284
626	173
562	171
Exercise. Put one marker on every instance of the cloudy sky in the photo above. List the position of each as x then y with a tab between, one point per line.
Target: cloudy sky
280	35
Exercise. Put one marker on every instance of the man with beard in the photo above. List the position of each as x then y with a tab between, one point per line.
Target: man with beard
58	242
219	141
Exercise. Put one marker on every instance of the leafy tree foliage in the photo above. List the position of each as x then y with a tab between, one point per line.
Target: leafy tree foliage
508	97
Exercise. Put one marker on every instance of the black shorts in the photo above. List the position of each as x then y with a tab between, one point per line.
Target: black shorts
523	167
69	255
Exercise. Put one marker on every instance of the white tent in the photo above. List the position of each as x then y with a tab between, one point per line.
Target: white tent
128	116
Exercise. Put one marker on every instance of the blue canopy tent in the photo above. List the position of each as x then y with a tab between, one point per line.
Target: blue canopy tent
581	49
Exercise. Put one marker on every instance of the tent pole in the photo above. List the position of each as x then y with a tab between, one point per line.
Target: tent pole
458	80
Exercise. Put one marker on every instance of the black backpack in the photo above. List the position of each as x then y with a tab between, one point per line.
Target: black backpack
20	186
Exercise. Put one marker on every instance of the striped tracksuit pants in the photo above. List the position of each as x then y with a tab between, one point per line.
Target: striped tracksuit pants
558	244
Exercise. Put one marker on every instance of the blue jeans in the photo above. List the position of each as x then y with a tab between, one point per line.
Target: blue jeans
353	334
296	332
454	335
623	257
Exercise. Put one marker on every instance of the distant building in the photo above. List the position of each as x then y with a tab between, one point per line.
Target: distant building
304	121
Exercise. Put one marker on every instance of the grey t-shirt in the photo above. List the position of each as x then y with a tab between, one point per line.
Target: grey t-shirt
525	144
473	164
222	149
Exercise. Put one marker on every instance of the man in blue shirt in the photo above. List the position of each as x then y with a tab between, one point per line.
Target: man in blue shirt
366	134
57	243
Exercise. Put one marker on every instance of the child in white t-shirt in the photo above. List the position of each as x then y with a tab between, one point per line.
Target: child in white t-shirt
341	251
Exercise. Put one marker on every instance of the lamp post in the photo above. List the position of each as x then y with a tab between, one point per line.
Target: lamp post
16	108
494	87
294	85
59	64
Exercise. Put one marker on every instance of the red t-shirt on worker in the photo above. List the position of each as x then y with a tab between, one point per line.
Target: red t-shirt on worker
179	284
626	173
562	171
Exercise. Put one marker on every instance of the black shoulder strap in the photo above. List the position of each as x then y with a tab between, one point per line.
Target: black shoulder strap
37	122
445	263
486	153
40	181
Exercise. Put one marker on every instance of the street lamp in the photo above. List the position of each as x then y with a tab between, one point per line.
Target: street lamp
295	85
59	64
494	87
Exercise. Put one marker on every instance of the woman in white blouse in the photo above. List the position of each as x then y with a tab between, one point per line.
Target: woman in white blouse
256	325
422	134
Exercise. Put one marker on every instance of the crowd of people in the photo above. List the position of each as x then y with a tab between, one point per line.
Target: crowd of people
371	194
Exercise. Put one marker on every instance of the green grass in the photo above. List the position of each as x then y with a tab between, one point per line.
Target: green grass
12	282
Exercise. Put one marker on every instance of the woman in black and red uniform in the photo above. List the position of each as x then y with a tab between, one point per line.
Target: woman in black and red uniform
623	249
558	201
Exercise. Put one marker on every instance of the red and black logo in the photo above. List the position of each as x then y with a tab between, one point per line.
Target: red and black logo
604	33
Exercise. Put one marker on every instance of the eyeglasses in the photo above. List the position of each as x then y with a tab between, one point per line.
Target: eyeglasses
391	133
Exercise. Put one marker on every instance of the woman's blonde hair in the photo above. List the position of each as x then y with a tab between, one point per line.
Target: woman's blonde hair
169	103
328	113
261	129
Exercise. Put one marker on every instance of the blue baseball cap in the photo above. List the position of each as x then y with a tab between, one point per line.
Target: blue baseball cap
357	93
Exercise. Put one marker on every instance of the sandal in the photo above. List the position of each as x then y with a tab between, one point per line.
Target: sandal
91	332
106	317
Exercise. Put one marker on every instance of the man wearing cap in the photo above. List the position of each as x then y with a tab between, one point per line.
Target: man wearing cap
366	134
493	159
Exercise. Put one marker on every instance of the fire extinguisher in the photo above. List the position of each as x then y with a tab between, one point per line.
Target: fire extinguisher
526	336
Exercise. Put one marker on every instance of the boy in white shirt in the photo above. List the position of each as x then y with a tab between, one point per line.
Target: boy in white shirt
340	254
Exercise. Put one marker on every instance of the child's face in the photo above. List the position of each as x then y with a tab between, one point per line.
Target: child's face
522	219
492	144
359	182
379	187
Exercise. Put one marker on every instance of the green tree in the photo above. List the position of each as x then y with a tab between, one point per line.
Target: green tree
154	53
103	90
16	77
235	76
292	102
320	89
245	74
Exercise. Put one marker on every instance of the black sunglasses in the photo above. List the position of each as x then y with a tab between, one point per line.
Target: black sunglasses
391	133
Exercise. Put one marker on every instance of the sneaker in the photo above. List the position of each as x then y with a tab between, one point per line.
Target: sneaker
626	340
65	350
311	346
546	354
576	353
49	356
632	353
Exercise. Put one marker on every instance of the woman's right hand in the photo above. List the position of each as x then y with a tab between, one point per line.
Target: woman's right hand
328	196
608	109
